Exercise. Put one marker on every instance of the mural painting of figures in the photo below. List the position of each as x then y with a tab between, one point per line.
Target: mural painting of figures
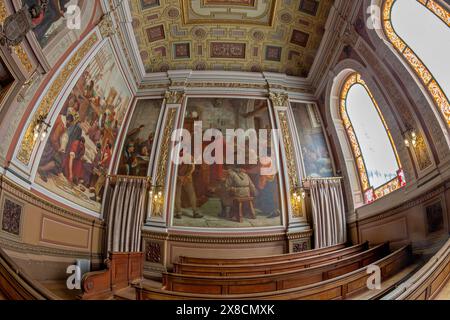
316	155
48	17
77	155
140	137
228	194
55	24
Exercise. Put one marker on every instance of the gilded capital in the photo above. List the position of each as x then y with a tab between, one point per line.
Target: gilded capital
174	97
279	99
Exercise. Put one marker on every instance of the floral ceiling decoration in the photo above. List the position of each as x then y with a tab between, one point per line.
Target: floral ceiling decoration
239	35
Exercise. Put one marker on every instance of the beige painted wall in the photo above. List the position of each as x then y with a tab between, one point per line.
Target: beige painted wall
50	238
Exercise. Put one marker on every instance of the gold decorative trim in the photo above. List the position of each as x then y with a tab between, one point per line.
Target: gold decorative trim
28	142
41	250
434	193
442	102
279	99
30	198
3	13
23	57
164	157
20	52
225	239
174	97
297	210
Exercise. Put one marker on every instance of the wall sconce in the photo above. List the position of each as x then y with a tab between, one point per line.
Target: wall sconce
41	128
157	197
410	137
297	197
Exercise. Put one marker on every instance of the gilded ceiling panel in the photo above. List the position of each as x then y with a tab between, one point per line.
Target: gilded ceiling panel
240	35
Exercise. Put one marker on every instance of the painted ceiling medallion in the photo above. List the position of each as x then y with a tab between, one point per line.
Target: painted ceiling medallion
239	35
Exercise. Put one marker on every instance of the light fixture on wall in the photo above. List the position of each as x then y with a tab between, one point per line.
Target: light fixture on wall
157	199
41	128
298	195
410	138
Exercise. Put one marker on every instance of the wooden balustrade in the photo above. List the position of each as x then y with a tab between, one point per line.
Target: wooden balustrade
268	267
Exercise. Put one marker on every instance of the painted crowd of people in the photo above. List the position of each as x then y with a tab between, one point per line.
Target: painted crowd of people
80	145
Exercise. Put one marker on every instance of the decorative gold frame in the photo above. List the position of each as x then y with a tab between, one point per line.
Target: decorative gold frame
424	74
370	194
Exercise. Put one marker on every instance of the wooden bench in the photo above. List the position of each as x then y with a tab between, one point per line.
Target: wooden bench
271	282
266	259
338	288
267	267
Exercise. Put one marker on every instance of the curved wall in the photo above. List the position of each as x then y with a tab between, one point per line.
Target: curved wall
44	224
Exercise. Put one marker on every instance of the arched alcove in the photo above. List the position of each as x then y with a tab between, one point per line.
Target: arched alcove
354	187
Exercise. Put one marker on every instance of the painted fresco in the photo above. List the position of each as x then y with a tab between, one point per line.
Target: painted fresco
316	156
51	28
139	140
79	150
228	194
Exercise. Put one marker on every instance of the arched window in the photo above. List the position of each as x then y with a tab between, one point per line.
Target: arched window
377	161
419	31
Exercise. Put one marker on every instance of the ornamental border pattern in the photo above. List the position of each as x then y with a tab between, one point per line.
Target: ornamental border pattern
225	239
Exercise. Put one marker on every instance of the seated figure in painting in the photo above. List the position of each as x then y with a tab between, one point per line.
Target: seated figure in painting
185	186
241	191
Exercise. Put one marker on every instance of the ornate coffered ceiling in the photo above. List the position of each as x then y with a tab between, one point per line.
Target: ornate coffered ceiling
239	35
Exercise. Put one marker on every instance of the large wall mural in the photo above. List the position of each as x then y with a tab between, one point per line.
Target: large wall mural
139	140
314	148
78	153
228	194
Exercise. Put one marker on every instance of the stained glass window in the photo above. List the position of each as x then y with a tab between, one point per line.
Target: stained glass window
419	31
377	161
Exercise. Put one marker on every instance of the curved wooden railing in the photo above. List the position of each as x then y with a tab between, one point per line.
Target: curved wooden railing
427	283
265	259
15	284
267	267
341	287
